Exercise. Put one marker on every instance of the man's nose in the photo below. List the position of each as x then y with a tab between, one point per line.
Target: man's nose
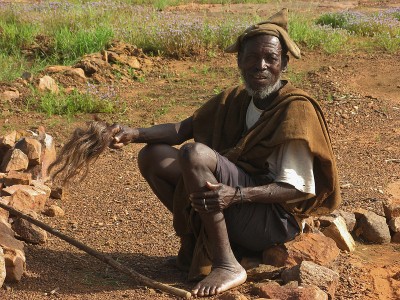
262	64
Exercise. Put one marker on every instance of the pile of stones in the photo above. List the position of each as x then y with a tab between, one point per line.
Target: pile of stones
24	185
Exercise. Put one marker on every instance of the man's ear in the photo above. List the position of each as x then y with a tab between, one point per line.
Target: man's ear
284	64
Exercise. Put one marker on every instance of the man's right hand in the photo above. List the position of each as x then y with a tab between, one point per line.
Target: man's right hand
122	135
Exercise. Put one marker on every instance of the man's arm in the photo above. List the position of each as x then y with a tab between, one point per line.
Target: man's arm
221	196
169	133
276	192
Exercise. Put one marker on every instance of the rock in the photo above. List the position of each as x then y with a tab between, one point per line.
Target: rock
32	148
394	224
9	139
27	76
29	232
289	292
92	63
2	267
13	249
337	231
48	84
391	208
263	272
48	155
124	59
14	160
7	239
15	177
15	264
309	273
57	193
57	69
250	262
4	214
54	211
38	184
396	238
372	227
232	295
349	218
26	198
308	246
76	73
9	95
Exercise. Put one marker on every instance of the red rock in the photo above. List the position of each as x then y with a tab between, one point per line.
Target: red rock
32	148
48	156
9	139
372	227
38	184
15	177
13	252
29	232
26	198
15	264
14	160
396	238
3	273
54	211
10	95
394	224
48	84
337	231
391	208
308	246
232	295
309	273
288	292
4	214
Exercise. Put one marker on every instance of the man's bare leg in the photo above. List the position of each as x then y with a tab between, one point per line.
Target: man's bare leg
158	164
198	162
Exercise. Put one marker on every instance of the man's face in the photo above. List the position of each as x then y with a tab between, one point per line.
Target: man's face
261	65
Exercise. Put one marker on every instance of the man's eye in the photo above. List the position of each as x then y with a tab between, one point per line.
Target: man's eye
271	58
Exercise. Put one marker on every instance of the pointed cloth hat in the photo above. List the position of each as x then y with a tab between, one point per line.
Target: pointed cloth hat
275	26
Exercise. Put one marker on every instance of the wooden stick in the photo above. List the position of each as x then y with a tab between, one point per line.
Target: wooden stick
101	256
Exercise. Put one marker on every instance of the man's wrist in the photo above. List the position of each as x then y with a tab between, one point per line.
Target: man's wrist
239	194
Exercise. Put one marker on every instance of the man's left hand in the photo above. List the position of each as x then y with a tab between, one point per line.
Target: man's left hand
217	198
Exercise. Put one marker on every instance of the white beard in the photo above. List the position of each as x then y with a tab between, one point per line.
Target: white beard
265	92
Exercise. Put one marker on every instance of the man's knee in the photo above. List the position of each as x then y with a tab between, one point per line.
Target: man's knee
197	154
146	156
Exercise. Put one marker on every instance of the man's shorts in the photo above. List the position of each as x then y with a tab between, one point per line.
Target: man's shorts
254	226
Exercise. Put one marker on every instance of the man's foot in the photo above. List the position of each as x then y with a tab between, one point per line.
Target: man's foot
219	280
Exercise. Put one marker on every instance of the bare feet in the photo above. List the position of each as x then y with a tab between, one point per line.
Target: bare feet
220	279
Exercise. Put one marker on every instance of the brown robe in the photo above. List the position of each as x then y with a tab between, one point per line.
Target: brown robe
292	115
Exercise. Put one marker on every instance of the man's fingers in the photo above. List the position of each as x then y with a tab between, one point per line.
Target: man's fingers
212	186
117	145
115	128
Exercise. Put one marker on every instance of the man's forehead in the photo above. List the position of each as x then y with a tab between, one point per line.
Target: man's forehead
263	41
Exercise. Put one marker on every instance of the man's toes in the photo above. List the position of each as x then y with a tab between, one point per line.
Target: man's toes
201	292
206	291
195	290
213	290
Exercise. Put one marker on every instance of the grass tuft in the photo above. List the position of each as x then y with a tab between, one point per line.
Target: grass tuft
69	104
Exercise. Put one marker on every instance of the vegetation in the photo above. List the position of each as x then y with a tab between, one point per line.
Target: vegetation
71	103
33	35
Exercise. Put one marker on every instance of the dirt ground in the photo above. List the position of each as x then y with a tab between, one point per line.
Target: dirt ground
114	210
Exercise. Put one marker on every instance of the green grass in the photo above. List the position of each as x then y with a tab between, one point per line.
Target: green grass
61	33
304	32
68	104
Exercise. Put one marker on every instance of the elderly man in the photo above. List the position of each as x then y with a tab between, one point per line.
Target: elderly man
260	161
